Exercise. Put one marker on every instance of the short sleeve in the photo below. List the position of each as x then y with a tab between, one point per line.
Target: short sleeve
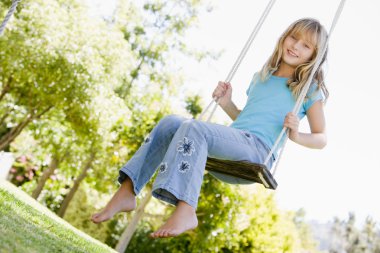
313	96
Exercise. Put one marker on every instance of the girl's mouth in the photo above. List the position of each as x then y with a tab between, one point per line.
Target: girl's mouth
292	53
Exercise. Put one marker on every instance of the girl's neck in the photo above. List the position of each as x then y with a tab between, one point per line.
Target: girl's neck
284	71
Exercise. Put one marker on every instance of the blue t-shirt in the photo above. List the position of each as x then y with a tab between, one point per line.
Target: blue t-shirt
267	105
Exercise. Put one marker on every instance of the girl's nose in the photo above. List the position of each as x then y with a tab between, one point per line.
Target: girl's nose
296	45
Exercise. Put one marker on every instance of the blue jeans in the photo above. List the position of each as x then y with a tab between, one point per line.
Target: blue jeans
179	147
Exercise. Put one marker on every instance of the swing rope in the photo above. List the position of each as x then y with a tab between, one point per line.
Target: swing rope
304	91
9	15
240	58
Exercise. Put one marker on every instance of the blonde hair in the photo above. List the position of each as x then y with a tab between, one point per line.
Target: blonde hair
317	35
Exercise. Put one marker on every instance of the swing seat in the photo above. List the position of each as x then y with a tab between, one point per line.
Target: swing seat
242	169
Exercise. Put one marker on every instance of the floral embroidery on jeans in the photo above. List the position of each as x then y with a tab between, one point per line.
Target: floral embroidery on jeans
147	140
163	167
183	167
186	147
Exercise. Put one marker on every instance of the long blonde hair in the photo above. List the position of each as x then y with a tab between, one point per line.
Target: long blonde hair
318	35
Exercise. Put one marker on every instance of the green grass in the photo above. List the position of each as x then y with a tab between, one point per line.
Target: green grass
27	226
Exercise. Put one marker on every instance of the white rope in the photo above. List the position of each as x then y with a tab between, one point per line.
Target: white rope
240	57
9	15
304	91
249	41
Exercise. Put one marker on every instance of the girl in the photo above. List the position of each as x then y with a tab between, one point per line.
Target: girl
179	147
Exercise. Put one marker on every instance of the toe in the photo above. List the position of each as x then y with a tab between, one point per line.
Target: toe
163	233
154	234
97	218
159	233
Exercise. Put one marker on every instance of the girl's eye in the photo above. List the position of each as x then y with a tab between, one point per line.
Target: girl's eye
305	45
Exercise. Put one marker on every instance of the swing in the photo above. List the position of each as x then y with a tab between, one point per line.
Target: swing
256	172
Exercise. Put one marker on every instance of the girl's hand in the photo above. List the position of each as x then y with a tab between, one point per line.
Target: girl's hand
224	92
292	123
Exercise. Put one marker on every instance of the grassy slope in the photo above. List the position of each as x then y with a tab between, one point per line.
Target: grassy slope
27	226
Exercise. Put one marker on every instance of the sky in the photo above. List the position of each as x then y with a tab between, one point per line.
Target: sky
343	177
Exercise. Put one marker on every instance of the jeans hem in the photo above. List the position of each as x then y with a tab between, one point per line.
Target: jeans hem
169	195
123	174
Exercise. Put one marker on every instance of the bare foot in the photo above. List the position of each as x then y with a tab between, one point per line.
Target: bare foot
123	200
184	218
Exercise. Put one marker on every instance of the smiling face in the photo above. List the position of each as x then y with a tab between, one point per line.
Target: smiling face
297	49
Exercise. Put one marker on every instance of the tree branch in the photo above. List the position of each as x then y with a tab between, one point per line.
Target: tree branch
43	112
6	88
77	182
4	117
11	135
45	176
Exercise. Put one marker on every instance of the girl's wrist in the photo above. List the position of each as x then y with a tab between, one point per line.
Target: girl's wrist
294	136
226	104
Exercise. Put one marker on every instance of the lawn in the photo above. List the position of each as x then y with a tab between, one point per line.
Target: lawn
27	226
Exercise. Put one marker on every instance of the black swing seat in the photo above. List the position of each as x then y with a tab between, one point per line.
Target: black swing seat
242	169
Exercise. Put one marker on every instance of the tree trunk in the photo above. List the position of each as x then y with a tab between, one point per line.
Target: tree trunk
3	117
73	190
14	132
132	226
47	173
6	88
11	135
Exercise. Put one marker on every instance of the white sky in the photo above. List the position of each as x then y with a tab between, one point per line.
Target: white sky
344	176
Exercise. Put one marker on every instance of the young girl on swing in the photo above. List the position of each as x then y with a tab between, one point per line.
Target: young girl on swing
179	147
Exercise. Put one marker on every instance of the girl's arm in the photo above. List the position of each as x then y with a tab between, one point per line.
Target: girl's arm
224	92
317	138
231	110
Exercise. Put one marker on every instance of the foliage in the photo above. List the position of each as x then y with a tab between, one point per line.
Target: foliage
23	170
81	209
193	105
231	219
308	243
80	85
347	238
269	229
40	62
216	228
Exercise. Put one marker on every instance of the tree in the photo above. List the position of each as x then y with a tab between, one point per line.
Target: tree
146	104
66	201
193	105
217	230
350	239
57	74
40	61
231	219
308	244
